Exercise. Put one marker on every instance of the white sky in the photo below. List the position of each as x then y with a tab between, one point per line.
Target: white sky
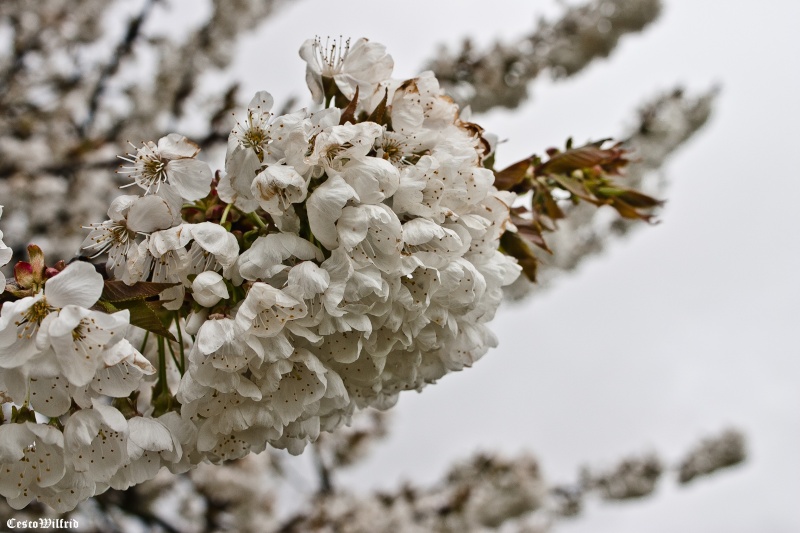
673	334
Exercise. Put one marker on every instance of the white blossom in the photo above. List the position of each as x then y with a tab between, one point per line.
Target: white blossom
24	323
95	442
31	457
129	216
171	161
148	440
123	370
363	66
277	187
78	336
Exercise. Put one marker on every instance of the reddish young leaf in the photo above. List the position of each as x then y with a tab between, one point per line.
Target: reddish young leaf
349	113
510	177
515	246
378	114
610	160
532	231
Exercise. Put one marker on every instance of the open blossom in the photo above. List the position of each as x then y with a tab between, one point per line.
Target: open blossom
129	216
247	146
363	65
77	336
95	442
149	442
24	324
31	458
170	162
122	372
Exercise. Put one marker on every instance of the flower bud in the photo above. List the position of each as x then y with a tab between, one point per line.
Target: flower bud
208	288
195	320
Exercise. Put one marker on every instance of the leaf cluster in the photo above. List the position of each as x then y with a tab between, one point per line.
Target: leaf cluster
566	178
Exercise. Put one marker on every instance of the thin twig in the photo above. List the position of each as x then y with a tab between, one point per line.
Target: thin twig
124	48
325	483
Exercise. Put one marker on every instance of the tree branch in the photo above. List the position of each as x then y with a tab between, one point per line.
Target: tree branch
499	77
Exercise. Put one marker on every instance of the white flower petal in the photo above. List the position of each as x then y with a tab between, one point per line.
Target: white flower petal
148	214
78	284
325	207
266	255
218	241
176	146
110	416
119	207
190	177
262	102
372	178
277	187
149	434
241	166
352	227
309	279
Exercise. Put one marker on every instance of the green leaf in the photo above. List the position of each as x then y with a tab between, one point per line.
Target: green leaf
118	291
627	202
631	197
144	314
575	186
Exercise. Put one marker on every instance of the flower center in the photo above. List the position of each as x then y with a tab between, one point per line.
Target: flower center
32	318
147	167
255	138
153	170
331	56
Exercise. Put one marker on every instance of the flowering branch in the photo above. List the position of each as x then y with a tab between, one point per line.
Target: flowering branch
343	256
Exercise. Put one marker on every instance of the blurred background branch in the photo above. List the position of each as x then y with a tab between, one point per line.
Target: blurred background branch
500	76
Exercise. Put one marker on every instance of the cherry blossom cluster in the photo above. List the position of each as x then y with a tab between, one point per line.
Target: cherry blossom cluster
344	255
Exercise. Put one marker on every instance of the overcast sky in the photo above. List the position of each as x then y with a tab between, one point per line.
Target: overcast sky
676	333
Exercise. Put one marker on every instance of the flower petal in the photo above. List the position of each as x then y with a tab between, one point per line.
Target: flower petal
325	207
216	240
148	214
176	146
190	177
78	284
